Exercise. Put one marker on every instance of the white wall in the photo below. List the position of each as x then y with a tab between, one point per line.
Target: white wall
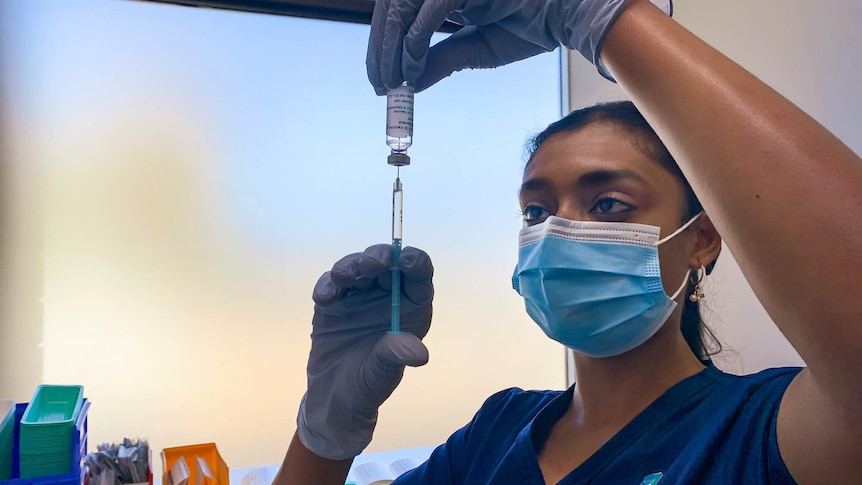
178	179
809	52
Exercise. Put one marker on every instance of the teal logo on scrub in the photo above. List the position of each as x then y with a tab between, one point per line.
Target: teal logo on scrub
652	479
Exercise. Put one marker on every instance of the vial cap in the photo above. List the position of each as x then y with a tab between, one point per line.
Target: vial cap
398	159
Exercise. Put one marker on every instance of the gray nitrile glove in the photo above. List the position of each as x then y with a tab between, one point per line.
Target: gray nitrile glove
355	364
495	33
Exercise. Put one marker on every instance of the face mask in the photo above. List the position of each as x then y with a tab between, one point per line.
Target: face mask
595	287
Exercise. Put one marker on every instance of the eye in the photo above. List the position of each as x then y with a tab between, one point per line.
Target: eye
534	214
609	205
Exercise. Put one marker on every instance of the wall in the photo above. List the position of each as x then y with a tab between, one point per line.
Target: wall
21	268
180	177
809	52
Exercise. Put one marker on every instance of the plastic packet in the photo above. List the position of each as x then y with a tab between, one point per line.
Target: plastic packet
120	463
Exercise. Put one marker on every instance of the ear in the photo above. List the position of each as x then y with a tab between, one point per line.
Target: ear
707	244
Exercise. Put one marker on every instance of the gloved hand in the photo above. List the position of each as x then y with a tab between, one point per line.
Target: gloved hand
354	363
496	32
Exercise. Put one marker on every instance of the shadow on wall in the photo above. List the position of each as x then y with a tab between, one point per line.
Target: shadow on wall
183	325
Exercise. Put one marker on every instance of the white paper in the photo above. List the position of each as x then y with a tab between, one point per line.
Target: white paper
204	471
372	474
179	474
260	476
402	466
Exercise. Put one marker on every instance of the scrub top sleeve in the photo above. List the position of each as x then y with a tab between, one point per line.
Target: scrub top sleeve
450	461
776	468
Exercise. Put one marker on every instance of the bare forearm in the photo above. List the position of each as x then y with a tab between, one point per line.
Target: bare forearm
782	190
302	467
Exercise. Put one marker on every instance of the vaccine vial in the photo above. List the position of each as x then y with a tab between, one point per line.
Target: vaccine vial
399	118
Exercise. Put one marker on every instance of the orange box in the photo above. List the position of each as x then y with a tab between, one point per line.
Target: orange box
207	451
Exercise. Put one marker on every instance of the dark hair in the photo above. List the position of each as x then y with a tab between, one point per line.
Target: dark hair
624	114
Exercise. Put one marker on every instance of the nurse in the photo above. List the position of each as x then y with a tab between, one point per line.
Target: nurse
623	206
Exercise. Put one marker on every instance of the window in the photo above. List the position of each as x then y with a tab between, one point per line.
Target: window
183	176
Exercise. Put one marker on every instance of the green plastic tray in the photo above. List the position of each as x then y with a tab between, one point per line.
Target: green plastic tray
54	405
7	431
7	424
7	414
45	471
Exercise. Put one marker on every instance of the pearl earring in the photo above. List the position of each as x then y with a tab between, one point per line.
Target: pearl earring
698	294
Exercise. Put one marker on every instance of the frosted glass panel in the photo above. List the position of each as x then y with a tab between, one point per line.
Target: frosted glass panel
197	170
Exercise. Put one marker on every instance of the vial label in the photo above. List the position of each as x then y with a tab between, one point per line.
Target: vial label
399	112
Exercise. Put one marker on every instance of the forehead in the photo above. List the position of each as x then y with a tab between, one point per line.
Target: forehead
599	147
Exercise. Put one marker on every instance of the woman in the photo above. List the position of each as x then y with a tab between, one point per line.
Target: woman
780	189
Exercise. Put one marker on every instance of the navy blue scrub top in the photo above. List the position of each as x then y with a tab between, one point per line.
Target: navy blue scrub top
711	428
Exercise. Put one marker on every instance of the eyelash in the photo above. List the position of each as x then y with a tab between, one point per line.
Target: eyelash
626	208
615	201
529	207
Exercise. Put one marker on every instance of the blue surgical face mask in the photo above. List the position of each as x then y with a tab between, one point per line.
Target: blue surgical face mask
595	287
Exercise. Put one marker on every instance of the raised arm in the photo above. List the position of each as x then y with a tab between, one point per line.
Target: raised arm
786	195
302	467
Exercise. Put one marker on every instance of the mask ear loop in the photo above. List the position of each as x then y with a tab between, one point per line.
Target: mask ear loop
683	285
682	228
685	279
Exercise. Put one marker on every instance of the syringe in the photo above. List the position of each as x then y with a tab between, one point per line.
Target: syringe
397	215
399	137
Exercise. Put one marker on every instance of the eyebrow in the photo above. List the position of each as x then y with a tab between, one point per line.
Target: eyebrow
596	177
599	177
533	185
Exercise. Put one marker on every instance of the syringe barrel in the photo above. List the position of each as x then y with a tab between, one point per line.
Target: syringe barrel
397	209
397	214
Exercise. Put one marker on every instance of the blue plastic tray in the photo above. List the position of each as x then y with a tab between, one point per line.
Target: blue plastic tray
79	447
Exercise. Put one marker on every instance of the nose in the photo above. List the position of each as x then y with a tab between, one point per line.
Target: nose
571	209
